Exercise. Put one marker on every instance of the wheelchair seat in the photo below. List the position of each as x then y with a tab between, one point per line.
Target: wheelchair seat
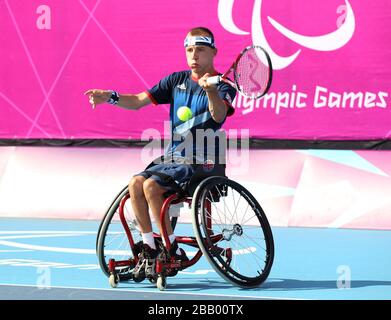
202	172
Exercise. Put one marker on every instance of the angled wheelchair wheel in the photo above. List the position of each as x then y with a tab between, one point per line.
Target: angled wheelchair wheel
119	195
112	241
232	231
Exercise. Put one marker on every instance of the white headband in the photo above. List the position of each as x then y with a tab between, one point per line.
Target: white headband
199	41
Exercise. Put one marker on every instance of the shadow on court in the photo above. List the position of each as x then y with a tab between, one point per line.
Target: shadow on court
269	285
294	284
191	285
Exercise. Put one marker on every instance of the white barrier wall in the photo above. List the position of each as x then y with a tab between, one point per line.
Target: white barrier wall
321	188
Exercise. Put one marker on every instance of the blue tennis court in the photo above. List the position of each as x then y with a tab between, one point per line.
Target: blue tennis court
56	259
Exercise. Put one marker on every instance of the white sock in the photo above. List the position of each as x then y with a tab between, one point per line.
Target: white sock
149	240
172	238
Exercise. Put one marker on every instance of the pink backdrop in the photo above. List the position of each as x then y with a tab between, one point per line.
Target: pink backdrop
52	51
308	188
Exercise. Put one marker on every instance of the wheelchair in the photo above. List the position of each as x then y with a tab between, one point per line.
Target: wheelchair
230	229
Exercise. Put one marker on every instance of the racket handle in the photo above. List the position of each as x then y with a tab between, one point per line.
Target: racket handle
213	80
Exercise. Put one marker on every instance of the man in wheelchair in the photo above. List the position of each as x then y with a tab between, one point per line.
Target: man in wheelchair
193	141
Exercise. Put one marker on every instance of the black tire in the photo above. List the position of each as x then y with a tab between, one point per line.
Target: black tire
118	247
247	239
111	205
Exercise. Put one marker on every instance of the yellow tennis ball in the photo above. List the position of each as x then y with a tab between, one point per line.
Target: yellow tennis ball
184	113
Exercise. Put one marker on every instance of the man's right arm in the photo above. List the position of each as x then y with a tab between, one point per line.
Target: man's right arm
126	101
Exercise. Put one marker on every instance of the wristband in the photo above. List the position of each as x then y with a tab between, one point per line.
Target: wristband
113	98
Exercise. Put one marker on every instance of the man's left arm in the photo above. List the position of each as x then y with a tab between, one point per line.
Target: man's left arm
217	106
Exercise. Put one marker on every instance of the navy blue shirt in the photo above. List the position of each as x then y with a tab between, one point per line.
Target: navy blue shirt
199	137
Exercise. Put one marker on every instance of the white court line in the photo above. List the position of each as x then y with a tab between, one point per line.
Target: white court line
58	265
68	250
46	264
45	232
93	251
1	251
46	248
60	233
158	292
41	236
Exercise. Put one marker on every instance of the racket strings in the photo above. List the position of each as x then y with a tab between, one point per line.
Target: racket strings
252	73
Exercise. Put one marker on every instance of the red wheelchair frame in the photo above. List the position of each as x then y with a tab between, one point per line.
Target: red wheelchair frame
172	264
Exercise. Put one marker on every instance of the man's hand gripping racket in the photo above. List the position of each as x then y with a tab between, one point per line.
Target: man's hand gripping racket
252	73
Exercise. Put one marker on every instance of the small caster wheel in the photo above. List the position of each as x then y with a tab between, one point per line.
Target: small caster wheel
136	278
161	283
114	280
152	280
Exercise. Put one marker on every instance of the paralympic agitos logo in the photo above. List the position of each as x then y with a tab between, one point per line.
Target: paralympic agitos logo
327	42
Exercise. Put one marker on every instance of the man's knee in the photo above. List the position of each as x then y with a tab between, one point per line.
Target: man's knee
151	188
136	186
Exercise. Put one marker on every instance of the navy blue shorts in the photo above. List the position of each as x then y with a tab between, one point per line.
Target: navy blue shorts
181	173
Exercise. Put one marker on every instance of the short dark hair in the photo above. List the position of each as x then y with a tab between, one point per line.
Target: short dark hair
201	30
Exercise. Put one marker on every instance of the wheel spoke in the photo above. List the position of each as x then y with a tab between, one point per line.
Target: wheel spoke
253	255
214	205
225	206
236	206
216	223
254	242
229	217
243	223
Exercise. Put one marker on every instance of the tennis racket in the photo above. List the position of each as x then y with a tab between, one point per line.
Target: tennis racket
252	73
